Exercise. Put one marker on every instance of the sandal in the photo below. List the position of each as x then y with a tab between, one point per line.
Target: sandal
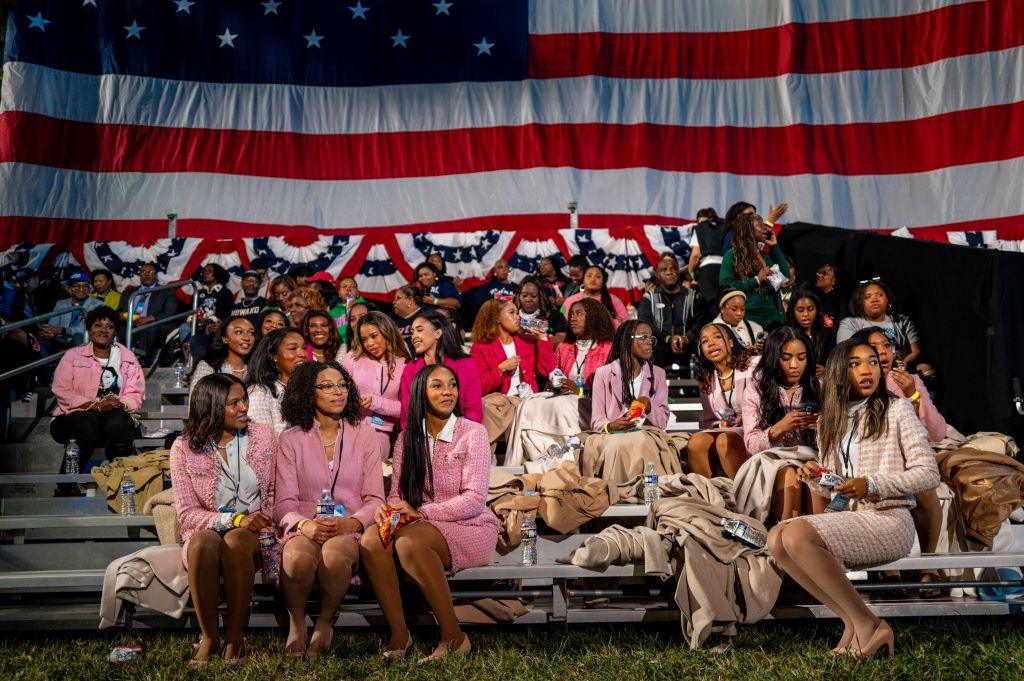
193	663
930	578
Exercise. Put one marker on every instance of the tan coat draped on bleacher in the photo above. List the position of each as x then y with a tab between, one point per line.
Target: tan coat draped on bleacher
146	471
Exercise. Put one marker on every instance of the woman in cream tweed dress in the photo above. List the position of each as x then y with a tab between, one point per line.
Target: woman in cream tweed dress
879	446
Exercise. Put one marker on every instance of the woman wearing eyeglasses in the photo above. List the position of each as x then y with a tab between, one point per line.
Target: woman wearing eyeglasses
326	449
623	448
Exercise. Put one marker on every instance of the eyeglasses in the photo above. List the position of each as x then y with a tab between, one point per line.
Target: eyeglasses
332	387
645	338
872	280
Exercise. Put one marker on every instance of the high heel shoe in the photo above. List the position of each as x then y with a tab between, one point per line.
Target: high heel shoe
845	643
881	636
398	654
445	650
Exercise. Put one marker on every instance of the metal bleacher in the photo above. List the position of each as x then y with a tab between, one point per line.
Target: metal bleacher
53	552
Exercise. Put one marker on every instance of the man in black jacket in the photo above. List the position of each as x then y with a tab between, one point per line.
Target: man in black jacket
150	308
674	313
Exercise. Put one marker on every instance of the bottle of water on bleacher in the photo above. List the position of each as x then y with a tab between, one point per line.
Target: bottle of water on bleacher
651	490
179	374
268	540
71	458
325	506
127	495
528	534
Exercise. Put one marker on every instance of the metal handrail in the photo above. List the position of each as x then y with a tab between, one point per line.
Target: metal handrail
38	318
165	287
32	365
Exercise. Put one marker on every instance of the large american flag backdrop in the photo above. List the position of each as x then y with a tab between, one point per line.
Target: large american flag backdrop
359	135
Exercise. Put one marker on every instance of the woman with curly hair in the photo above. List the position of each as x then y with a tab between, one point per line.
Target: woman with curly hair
541	423
280	290
440	482
377	361
301	301
781	410
323	342
620	453
270	369
436	342
746	268
507	357
726	374
595	287
269	320
327	450
872	305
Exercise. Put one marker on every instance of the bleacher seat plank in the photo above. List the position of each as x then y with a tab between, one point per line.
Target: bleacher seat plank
46	479
21	522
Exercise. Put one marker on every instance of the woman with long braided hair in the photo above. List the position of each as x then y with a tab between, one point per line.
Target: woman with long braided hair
747	268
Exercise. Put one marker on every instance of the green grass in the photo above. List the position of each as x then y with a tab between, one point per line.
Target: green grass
932	649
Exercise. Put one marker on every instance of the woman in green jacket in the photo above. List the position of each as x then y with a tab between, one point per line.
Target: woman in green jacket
746	269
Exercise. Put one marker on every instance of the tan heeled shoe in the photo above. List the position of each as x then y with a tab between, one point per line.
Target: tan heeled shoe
444	651
845	642
398	654
881	636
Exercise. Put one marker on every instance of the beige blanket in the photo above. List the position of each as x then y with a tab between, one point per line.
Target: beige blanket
755	480
153	577
619	457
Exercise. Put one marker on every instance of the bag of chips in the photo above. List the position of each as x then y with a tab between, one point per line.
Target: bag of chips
394	522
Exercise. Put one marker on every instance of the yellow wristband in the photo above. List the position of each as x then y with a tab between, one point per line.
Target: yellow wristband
298	525
237	520
916	396
769	223
606	429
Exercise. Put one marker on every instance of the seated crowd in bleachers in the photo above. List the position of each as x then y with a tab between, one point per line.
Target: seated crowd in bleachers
303	381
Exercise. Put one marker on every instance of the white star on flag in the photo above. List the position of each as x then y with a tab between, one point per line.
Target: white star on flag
88	2
38	22
270	7
228	39
183	6
483	47
442	8
358	11
134	31
399	39
313	40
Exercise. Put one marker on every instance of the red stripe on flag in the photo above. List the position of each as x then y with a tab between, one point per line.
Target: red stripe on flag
854	149
883	43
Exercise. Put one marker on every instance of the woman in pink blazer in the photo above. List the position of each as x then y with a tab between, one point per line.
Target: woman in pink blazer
97	386
587	344
726	373
222	473
507	357
377	361
436	342
327	449
630	375
441	469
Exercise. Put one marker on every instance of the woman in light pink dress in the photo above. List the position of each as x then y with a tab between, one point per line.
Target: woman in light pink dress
441	470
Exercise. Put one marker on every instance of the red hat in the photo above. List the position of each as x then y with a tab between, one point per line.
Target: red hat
321	276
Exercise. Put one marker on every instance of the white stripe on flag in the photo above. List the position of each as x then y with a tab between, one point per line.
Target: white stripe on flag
956	84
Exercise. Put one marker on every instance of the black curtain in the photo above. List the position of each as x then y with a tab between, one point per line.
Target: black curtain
968	304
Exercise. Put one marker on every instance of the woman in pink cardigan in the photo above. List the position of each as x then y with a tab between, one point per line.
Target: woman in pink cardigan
97	386
441	472
222	473
436	342
586	346
621	453
507	356
377	361
726	375
927	513
327	449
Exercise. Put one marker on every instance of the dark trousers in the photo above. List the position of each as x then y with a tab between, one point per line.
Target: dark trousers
707	284
90	429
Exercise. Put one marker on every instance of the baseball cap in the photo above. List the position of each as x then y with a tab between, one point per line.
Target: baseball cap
321	276
77	277
250	273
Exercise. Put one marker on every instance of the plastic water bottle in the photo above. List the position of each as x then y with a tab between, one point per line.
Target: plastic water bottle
325	506
523	390
268	540
695	365
71	458
127	495
651	491
528	534
179	374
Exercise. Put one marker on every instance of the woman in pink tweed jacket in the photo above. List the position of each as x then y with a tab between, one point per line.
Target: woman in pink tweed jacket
222	473
328	448
880	448
441	473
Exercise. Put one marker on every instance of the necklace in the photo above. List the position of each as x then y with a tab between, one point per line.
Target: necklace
723	379
329	444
